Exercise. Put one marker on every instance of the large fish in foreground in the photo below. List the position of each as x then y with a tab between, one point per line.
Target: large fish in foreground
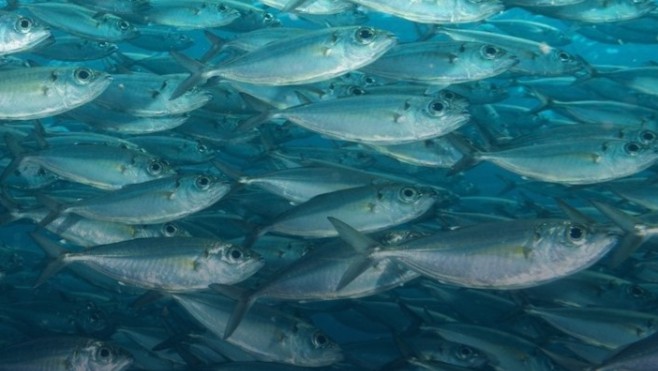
499	255
334	51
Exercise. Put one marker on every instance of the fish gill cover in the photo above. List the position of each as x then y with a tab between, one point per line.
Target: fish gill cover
328	184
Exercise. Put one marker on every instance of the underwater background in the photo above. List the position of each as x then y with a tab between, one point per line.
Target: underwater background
328	184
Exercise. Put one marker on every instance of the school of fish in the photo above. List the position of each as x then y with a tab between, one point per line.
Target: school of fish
328	184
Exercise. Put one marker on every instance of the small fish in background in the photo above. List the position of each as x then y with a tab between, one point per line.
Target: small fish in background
175	174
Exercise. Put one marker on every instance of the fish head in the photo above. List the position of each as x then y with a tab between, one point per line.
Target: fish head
566	63
500	58
234	263
203	188
80	85
94	321
313	348
103	46
156	168
124	28
464	355
444	105
364	43
577	245
406	199
170	229
23	30
101	356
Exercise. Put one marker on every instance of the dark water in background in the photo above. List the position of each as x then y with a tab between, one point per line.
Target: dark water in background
483	180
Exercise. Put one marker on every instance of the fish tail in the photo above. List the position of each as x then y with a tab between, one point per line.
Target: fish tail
52	205
52	249
363	246
631	225
17	151
254	121
197	70
244	301
216	45
469	154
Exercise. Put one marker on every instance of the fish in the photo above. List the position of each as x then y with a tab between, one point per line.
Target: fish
157	201
442	63
84	22
186	14
73	48
369	208
174	264
435	12
99	166
335	50
20	33
267	334
576	161
380	119
244	131
77	352
39	92
528	252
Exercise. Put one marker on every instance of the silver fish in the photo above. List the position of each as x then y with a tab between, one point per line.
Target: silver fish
266	334
171	264
83	22
19	33
335	51
31	93
48	353
500	255
159	201
436	11
378	119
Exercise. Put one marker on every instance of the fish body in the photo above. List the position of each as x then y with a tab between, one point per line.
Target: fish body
159	201
381	119
169	264
38	92
83	22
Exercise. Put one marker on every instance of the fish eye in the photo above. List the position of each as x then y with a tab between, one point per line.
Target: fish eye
355	90
155	167
222	7
202	148
24	24
104	353
636	291
447	94
124	25
464	352
564	57
365	35
320	340
234	254
437	106
632	148
268	17
103	44
648	136
170	229
369	80
408	194
489	51
202	182
576	233
83	75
